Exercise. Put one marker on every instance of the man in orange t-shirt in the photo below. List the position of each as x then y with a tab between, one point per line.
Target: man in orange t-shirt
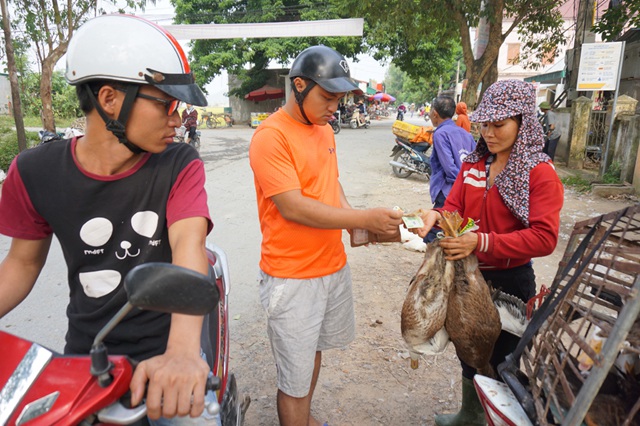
305	284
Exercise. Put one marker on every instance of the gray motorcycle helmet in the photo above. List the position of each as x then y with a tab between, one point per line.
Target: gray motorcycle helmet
326	67
323	66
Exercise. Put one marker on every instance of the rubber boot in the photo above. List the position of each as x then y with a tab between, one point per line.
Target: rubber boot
471	411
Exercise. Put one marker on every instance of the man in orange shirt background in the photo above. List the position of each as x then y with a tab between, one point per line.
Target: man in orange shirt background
305	284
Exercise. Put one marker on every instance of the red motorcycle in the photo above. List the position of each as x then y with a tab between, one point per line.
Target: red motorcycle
40	387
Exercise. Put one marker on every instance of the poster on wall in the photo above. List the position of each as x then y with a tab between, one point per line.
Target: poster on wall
599	66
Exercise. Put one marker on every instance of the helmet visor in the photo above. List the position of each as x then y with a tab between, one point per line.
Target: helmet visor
180	86
191	94
337	85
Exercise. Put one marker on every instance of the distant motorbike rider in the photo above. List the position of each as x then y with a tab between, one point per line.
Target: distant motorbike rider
401	111
190	122
360	113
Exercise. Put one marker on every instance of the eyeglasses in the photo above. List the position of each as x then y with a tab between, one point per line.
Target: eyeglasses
170	105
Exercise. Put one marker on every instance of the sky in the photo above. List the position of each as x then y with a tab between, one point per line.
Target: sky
365	69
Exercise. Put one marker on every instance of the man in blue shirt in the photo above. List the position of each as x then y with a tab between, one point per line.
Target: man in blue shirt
450	145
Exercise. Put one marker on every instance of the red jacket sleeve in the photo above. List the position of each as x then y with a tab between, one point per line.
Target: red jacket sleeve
546	197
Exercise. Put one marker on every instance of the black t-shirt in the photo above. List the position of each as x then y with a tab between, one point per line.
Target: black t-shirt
106	226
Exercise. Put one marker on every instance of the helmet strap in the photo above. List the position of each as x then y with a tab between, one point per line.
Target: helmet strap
118	127
301	95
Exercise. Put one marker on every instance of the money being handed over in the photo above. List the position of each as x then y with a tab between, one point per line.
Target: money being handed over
412	220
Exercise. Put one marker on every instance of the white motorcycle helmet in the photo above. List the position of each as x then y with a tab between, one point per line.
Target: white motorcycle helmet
130	49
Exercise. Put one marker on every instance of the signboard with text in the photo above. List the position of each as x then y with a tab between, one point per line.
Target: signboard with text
599	66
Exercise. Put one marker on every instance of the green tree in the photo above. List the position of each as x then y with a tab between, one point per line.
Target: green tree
13	76
418	90
405	25
620	15
63	96
48	27
396	30
210	57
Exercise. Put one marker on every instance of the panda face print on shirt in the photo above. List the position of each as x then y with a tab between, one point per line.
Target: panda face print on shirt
99	233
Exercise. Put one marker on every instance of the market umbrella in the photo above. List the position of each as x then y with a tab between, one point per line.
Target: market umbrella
383	97
264	93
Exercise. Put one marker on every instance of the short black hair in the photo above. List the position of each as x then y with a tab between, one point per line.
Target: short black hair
94	86
445	106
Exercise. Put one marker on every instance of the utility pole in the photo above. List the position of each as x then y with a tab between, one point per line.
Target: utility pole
584	22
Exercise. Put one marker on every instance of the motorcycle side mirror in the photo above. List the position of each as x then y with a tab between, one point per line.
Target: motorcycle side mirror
160	287
164	287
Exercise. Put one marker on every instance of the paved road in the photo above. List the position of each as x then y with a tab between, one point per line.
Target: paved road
363	156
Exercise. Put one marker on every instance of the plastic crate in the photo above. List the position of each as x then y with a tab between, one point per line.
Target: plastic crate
405	130
413	133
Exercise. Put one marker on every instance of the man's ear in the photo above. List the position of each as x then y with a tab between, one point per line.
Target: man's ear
109	100
300	84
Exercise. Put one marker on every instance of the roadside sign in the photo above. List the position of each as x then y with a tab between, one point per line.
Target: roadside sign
600	65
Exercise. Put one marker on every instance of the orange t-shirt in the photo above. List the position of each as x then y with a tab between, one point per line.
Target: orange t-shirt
285	155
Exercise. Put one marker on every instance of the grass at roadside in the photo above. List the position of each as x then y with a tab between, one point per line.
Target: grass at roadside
9	138
9	145
578	183
8	121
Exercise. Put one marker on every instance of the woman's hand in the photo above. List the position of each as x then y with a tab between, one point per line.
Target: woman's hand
429	217
460	247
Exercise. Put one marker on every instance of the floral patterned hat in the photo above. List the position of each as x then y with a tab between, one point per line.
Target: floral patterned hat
504	99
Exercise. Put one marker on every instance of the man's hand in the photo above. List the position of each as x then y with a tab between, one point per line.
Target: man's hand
176	384
384	221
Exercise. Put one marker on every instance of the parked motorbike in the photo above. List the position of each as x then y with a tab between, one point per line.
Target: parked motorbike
181	134
47	136
359	120
335	122
45	388
409	158
345	117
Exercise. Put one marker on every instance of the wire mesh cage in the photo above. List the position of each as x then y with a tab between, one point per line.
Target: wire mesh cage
580	356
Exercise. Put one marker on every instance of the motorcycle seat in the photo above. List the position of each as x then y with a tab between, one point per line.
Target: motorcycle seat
420	146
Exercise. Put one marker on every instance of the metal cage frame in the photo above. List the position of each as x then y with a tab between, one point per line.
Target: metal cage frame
597	285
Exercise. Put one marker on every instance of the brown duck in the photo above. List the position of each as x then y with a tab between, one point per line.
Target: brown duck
472	320
425	305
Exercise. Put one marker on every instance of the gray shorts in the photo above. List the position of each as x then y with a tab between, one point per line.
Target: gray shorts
303	317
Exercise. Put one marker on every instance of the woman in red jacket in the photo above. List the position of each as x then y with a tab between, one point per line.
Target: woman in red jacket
512	191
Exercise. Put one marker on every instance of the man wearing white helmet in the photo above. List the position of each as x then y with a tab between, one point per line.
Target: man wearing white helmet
122	195
305	284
